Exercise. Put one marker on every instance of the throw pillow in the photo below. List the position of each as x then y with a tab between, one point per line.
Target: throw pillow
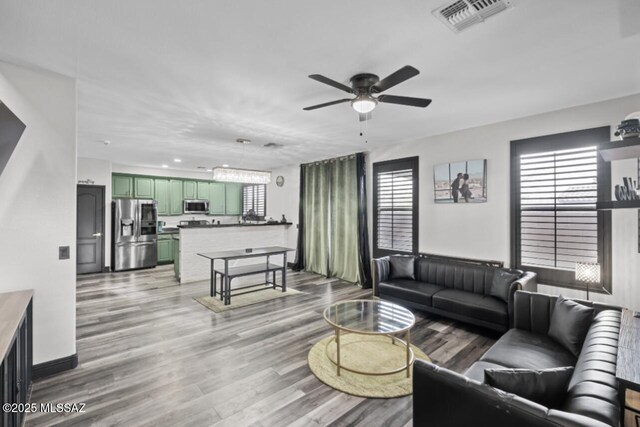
402	267
569	324
547	387
502	280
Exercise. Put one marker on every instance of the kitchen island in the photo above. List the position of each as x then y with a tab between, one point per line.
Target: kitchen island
194	239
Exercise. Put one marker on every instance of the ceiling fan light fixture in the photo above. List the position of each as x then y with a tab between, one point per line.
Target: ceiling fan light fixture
364	103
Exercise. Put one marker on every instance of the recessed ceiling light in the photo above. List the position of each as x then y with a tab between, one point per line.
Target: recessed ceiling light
106	142
165	166
225	165
177	160
209	170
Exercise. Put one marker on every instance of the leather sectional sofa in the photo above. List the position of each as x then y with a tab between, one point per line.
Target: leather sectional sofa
444	398
456	288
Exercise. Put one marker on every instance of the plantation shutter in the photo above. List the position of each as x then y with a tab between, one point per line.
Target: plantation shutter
559	221
253	197
395	208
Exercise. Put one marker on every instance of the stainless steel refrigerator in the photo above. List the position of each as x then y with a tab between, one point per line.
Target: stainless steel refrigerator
134	234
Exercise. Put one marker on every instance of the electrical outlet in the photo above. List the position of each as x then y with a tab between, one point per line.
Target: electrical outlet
63	252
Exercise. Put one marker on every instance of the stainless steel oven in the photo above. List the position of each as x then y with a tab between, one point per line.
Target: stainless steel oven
196	206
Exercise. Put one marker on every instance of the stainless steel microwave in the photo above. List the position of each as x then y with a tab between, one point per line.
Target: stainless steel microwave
196	206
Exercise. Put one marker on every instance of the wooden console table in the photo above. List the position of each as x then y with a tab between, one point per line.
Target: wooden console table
228	273
628	366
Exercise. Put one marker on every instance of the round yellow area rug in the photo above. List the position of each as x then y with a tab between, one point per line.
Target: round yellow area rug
372	353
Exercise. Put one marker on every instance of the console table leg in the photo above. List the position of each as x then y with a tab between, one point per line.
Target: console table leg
338	350
227	283
213	280
408	352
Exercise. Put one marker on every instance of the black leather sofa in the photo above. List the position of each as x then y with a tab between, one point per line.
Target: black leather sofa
444	398
452	287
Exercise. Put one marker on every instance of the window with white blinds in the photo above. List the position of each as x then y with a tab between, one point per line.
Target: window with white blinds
254	198
558	217
556	182
396	203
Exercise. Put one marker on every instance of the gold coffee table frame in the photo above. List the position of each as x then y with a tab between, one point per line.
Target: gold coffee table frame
342	330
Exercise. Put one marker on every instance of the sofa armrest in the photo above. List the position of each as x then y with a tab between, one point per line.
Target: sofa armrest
446	399
379	272
528	282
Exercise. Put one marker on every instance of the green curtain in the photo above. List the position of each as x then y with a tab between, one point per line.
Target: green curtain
344	250
316	217
330	204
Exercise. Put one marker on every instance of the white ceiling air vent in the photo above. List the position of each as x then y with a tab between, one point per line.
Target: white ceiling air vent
462	14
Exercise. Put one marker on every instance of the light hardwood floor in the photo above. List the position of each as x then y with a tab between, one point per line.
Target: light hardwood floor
150	355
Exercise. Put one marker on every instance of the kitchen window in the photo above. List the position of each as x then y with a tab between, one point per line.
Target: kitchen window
254	198
556	181
395	207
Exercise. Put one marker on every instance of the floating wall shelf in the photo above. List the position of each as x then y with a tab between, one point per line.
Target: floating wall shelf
615	204
620	150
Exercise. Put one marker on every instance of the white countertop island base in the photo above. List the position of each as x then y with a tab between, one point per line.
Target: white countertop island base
210	239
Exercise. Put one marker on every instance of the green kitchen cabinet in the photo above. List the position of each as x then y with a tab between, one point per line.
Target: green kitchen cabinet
189	190
143	187
122	186
233	199
165	249
203	190
217	198
175	197
162	196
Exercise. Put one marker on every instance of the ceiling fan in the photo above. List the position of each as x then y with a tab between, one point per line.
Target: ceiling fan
364	86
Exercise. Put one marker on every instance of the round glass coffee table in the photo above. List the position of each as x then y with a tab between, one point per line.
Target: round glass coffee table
371	317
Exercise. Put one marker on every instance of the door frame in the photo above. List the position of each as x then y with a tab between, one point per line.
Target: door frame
103	269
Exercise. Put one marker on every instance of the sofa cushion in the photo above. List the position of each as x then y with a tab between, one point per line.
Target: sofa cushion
473	305
402	267
522	349
476	371
502	280
455	275
569	324
409	290
595	408
547	387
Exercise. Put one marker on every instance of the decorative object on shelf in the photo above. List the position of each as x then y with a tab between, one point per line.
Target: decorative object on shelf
280	181
629	127
628	191
461	182
243	176
588	273
284	219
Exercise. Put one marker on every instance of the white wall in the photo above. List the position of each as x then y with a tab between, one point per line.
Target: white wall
99	171
482	230
285	200
38	205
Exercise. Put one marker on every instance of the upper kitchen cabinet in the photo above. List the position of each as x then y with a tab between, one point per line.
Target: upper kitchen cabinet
203	190
175	197
162	196
122	186
189	190
144	188
233	199
216	198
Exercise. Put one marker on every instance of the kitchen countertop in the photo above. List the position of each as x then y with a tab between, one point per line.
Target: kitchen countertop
263	224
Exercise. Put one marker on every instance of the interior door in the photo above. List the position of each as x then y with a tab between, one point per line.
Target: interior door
90	229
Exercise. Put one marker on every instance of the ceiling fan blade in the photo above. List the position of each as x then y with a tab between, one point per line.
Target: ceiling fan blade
404	73
328	81
404	100
365	116
326	104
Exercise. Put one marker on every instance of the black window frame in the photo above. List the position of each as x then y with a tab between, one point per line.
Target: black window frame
412	163
557	142
244	210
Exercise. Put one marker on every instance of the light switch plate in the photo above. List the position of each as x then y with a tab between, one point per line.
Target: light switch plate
63	252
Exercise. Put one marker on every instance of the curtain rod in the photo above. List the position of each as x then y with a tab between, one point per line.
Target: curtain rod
317	162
